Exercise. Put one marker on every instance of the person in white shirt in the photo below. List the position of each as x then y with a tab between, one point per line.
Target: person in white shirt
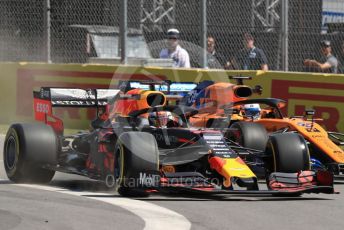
179	55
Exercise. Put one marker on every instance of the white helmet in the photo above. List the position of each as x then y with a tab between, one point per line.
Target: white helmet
252	111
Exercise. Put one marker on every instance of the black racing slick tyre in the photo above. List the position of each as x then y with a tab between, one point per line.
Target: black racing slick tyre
27	148
136	154
249	135
289	152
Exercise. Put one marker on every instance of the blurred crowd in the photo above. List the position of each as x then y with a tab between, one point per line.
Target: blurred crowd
249	57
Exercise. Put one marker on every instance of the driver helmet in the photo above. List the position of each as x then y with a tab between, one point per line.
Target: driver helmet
252	111
159	119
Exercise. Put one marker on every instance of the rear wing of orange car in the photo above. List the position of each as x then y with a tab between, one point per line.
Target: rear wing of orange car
47	98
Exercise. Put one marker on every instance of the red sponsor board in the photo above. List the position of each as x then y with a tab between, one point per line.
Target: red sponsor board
326	106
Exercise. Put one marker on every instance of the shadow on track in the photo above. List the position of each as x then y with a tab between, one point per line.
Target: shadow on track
96	186
73	185
6	182
81	185
230	198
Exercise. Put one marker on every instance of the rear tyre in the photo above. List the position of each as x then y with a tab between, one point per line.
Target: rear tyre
27	148
290	153
135	153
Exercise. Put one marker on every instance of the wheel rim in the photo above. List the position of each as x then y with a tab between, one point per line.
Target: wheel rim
11	153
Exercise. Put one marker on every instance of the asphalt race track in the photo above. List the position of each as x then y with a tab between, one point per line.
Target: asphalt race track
73	202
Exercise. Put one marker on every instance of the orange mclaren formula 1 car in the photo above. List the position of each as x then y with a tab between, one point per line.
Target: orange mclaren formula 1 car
223	105
143	145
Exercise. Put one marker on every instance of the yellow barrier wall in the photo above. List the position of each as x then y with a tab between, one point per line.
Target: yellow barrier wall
302	90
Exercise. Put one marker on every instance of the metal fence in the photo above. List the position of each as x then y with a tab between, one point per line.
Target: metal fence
80	31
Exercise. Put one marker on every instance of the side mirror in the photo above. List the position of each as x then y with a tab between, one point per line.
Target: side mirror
310	112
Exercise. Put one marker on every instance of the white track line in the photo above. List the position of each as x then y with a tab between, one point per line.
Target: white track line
155	217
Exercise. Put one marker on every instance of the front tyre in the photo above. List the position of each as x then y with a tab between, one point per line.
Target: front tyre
289	152
135	153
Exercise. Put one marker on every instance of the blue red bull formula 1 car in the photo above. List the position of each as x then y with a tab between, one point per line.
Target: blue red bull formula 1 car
142	144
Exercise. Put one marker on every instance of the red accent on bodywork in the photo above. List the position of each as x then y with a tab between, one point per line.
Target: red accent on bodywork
127	105
106	163
41	108
183	140
240	161
56	124
111	160
106	114
284	188
151	190
163	180
237	134
325	178
89	164
101	148
216	163
306	179
43	113
210	188
124	107
205	132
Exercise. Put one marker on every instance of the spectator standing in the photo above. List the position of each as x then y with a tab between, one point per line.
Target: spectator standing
341	60
179	55
327	64
251	57
215	60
